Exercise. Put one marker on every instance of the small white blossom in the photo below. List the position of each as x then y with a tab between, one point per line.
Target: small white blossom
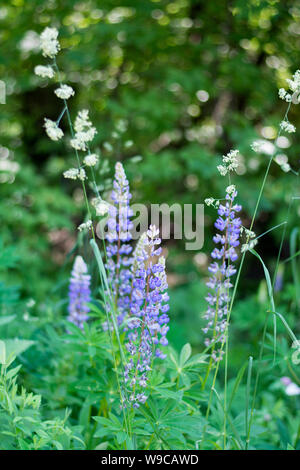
285	167
91	159
251	239
249	233
292	389
44	71
85	226
85	132
81	138
64	92
52	130
248	246
284	95
230	189
282	161
294	84
82	121
230	162
101	207
209	201
75	173
71	174
222	170
263	146
81	174
49	43
78	144
287	126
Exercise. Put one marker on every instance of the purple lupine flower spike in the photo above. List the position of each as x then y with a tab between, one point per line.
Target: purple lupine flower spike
148	325
222	270
118	249
79	293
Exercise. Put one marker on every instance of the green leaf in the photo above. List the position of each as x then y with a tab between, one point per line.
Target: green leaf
102	446
185	354
16	346
270	292
13	372
284	434
236	384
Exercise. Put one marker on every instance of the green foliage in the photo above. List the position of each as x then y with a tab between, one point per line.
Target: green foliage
21	424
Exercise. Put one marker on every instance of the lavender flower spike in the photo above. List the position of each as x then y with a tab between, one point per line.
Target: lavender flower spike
79	293
148	308
118	249
222	269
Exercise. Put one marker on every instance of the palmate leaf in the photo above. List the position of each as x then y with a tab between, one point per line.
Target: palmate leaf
185	354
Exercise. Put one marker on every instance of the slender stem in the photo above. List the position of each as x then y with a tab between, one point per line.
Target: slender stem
239	275
257	379
66	109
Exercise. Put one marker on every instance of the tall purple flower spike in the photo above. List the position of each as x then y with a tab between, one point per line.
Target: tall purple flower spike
118	249
147	324
221	271
79	293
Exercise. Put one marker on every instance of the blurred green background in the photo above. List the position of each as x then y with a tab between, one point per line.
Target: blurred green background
192	79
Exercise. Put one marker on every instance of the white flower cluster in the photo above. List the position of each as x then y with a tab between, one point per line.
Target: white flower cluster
85	132
294	86
295	83
44	71
282	161
230	162
64	92
251	240
263	146
75	173
284	95
230	189
287	126
210	201
52	130
248	246
49	43
101	206
85	226
91	159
